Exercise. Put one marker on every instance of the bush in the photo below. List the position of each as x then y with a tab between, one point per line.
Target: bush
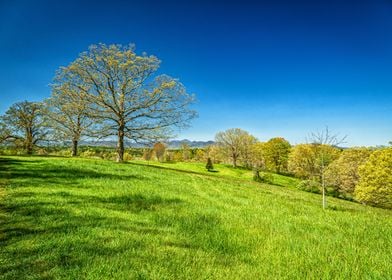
309	186
209	165
109	155
127	156
263	177
169	157
375	183
42	152
88	153
62	153
147	154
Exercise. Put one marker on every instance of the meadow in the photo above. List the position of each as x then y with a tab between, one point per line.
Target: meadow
74	218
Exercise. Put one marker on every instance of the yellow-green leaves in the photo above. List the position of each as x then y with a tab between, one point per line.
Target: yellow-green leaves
375	183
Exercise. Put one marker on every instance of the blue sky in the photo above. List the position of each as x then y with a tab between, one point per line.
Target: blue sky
274	68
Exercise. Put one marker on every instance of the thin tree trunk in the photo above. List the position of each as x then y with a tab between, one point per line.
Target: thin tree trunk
323	187
74	148
120	144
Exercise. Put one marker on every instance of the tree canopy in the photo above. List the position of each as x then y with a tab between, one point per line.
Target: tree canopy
67	113
343	173
375	183
236	143
276	154
23	123
123	94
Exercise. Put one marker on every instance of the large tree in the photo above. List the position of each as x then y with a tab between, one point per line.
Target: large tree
236	144
125	96
67	113
23	124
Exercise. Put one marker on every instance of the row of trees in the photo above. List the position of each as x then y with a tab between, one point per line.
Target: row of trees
108	91
362	174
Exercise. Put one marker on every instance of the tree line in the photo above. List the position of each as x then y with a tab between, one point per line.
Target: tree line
360	173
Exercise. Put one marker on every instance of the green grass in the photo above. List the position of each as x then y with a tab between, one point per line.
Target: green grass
93	219
221	170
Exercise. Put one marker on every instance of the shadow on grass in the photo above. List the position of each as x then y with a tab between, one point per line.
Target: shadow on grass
45	231
43	234
170	168
45	174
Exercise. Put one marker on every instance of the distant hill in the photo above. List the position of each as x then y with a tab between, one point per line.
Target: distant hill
175	144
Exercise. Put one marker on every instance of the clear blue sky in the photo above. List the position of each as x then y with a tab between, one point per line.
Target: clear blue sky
274	68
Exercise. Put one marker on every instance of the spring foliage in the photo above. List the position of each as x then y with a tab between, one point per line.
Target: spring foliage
276	154
125	94
343	174
24	125
236	144
375	183
309	160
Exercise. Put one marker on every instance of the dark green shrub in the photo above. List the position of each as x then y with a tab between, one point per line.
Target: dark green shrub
209	165
309	186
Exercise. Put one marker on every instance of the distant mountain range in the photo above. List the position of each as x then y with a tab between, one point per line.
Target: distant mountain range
172	144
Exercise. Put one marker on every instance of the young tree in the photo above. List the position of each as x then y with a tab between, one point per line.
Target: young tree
375	183
24	125
326	152
311	160
276	154
67	114
235	143
122	92
159	150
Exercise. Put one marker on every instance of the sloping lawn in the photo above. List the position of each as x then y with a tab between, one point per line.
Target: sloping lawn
220	170
64	218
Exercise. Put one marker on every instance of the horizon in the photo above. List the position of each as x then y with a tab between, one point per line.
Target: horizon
279	69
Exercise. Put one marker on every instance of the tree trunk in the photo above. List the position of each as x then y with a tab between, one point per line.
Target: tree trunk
323	187
29	143
234	160
120	144
29	148
256	174
74	148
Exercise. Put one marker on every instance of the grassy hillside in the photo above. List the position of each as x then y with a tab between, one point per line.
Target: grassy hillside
93	219
221	170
